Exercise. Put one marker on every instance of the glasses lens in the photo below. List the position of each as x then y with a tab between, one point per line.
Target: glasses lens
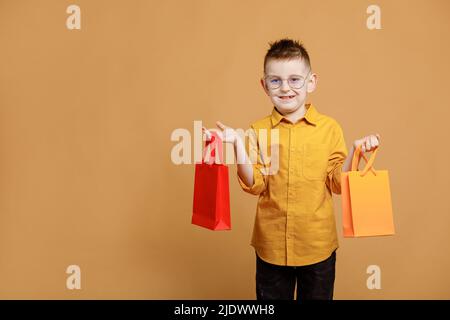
296	82
273	82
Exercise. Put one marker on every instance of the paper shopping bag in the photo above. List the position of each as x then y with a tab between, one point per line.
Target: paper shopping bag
211	208
366	199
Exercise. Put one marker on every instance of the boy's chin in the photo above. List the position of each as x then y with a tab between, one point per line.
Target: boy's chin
285	109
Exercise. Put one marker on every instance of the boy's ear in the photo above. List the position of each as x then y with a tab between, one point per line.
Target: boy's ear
263	83
312	83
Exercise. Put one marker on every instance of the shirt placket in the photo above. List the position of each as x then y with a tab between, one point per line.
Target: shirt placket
291	194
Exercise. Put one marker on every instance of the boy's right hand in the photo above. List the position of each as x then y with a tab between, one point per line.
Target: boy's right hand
227	134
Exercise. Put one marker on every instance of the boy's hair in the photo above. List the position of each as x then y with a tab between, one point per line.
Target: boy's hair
286	49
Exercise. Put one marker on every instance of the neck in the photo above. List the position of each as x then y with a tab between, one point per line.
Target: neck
296	115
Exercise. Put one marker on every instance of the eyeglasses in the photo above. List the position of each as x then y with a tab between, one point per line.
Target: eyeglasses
294	81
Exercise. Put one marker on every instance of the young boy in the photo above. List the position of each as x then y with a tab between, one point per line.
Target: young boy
294	234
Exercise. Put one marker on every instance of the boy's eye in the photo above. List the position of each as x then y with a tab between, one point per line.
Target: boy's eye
295	79
274	81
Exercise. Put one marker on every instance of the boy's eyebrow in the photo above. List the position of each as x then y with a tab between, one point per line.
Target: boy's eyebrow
292	75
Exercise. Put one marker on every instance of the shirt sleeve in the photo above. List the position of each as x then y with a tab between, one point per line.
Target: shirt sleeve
336	160
259	179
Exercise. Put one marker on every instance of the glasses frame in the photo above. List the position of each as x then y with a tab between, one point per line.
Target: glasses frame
283	79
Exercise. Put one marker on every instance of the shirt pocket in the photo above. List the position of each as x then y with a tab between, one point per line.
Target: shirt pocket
315	161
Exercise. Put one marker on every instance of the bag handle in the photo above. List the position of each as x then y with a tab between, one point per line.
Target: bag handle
369	165
213	144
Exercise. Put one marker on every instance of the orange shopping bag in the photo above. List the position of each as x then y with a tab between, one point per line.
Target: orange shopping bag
366	199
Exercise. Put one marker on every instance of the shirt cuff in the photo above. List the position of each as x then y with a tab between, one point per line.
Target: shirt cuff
335	179
258	182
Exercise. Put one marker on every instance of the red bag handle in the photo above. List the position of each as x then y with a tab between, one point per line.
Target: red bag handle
214	143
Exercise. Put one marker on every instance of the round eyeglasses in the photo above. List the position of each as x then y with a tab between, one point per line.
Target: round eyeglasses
294	81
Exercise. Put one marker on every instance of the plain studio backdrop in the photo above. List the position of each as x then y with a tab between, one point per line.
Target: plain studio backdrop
86	117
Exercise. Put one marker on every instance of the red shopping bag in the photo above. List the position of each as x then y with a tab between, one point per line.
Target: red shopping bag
211	208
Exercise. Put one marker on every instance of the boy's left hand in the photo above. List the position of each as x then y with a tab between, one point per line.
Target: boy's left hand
368	143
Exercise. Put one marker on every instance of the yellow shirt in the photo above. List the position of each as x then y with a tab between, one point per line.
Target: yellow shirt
295	223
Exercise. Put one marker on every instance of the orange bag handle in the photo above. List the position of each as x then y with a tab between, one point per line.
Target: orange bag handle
369	165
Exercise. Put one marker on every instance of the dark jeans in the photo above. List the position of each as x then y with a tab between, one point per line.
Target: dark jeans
314	282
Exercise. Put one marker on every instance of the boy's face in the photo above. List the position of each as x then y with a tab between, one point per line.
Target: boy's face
287	83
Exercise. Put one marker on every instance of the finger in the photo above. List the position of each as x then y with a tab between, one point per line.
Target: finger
374	141
207	133
368	146
363	147
378	137
358	144
217	132
221	125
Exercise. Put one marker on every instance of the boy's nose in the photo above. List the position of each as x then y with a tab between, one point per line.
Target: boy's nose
285	86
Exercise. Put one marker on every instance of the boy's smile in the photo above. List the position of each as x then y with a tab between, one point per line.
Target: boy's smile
286	98
287	83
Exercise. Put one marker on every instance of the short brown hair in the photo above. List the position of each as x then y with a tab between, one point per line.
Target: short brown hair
287	49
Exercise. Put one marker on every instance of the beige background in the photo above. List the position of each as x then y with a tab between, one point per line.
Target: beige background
86	117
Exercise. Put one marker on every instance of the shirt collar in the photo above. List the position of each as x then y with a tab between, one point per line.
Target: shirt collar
310	116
